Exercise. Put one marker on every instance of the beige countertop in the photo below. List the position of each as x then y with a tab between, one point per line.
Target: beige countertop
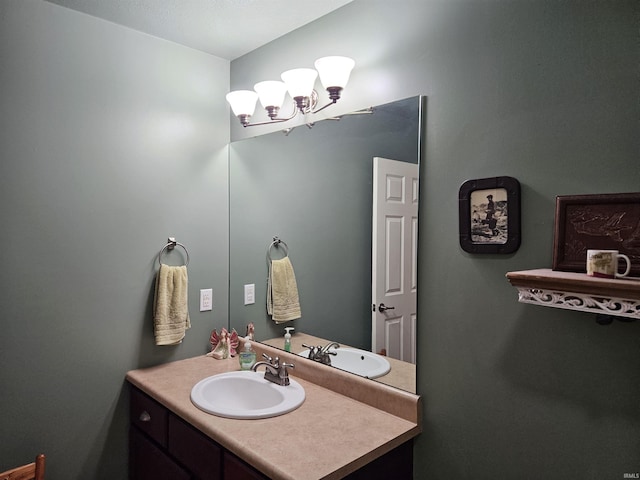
333	433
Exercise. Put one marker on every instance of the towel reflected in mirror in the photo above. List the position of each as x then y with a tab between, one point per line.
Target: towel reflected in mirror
283	303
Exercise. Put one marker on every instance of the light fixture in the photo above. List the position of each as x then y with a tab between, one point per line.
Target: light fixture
334	74
243	103
299	83
271	94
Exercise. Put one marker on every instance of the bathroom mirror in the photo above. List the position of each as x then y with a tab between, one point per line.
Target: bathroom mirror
312	186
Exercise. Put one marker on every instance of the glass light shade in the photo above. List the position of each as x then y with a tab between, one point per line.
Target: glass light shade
271	93
243	102
334	71
300	81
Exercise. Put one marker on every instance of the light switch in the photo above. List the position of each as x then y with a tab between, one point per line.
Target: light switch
250	294
206	299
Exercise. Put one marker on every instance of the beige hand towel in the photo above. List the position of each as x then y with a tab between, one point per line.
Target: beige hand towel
283	303
170	311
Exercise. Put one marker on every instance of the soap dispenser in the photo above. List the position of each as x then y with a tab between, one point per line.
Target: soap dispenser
247	356
287	339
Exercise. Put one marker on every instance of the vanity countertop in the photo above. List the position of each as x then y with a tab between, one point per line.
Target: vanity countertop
329	436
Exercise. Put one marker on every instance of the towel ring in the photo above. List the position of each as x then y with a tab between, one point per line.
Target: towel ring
276	243
170	246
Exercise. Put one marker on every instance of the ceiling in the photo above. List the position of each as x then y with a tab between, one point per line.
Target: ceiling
224	28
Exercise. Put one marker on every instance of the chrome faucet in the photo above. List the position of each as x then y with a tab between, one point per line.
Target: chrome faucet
326	348
321	354
275	371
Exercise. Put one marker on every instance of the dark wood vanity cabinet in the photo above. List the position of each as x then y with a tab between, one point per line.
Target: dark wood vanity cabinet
149	462
162	446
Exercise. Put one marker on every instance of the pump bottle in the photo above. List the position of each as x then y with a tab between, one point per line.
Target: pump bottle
287	339
247	356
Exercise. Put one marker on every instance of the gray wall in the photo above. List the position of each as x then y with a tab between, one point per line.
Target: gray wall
545	92
313	189
99	122
110	142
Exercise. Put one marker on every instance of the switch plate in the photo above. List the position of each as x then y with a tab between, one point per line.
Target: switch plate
206	299
250	294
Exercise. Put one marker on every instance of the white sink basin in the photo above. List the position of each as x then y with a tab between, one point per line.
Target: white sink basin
360	362
246	395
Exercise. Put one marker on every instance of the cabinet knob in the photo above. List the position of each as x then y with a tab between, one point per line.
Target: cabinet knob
145	417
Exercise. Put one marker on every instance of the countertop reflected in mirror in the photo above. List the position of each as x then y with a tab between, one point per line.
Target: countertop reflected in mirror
402	374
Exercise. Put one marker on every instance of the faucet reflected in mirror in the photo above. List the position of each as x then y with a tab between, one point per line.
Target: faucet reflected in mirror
314	187
321	354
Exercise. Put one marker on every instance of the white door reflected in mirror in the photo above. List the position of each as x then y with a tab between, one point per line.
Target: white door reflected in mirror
394	267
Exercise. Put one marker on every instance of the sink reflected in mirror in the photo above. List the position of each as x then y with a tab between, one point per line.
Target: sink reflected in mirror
400	375
246	395
353	360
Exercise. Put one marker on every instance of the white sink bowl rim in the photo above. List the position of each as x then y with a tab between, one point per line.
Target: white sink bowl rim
246	395
361	362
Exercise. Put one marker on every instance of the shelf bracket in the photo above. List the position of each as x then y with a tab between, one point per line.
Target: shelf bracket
618	307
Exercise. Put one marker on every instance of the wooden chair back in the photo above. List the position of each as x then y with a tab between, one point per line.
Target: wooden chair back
31	471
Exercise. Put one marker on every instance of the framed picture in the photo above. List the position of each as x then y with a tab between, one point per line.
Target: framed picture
608	221
489	211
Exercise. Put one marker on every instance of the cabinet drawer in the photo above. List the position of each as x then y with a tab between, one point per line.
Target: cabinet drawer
149	416
192	448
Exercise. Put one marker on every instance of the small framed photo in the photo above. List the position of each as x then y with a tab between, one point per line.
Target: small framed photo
607	221
489	211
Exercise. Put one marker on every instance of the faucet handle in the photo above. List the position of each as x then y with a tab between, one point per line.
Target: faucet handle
267	358
283	372
313	351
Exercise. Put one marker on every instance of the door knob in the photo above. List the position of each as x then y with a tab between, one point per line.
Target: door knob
382	308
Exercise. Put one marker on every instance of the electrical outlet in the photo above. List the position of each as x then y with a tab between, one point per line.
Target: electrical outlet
206	299
250	294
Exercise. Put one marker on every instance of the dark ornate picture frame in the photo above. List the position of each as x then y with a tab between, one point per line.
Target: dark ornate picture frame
608	221
489	215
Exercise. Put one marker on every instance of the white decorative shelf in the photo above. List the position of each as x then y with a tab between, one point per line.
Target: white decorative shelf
578	291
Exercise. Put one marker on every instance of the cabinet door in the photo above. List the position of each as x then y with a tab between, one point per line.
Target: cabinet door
236	469
148	462
201	455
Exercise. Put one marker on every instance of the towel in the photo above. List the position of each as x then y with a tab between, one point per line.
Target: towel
170	311
282	292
